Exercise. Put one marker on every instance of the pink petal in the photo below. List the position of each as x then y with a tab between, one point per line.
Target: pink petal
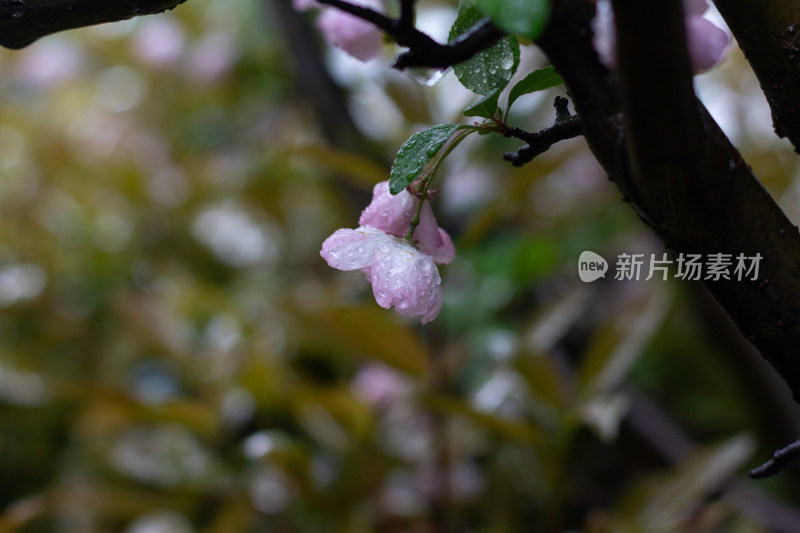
351	249
358	38
387	212
393	214
707	43
407	279
431	239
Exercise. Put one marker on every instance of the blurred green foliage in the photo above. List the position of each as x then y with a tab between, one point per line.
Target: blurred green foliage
176	357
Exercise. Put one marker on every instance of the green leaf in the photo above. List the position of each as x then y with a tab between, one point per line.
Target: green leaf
415	153
490	69
522	17
664	502
512	430
366	331
485	107
538	80
614	349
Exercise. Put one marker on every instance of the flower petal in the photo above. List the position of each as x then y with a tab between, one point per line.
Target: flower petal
407	279
351	249
388	212
707	43
432	239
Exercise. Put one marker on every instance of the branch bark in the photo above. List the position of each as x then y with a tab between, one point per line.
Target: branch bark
672	162
769	35
24	21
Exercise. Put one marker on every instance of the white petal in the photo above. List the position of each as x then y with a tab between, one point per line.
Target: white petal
351	249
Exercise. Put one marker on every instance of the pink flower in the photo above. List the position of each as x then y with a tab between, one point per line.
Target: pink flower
707	42
380	386
393	214
403	273
358	38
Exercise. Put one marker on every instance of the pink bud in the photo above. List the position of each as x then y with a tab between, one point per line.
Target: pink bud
393	214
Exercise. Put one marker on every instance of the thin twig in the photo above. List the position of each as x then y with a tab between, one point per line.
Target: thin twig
779	459
566	126
423	51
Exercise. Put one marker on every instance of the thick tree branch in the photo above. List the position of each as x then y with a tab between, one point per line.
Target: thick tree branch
709	204
24	21
769	35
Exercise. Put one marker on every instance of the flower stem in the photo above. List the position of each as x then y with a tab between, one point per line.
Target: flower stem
425	184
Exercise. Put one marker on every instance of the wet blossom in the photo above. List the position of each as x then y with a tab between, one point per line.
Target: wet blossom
402	272
707	42
393	214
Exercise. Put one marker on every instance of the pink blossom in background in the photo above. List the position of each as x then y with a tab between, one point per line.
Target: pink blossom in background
358	38
379	385
707	42
403	273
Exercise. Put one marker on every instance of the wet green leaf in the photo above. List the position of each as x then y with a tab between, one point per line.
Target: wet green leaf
486	107
415	153
538	80
492	68
523	17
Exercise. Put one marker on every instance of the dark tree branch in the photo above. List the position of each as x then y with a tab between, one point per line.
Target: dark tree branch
714	204
769	35
313	81
24	21
779	459
407	14
422	50
565	127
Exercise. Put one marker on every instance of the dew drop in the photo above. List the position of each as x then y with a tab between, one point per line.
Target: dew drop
426	76
18	8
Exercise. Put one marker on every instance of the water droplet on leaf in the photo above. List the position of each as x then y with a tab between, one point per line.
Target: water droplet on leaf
426	76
